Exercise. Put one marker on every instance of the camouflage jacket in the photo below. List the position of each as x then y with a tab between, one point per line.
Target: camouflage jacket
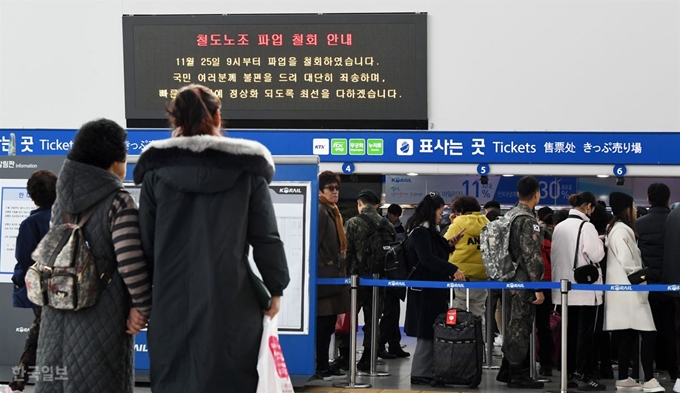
357	232
525	242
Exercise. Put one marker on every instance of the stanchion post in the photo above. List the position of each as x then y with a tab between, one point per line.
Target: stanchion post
352	376
532	348
374	333
504	313
565	287
490	311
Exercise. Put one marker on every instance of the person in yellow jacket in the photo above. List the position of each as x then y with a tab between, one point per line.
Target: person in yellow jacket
467	255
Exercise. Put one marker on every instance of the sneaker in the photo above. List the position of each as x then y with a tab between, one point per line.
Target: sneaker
383	354
399	353
653	386
364	365
341	363
590	385
498	341
524	382
7	389
676	388
336	372
546	371
323	374
629	384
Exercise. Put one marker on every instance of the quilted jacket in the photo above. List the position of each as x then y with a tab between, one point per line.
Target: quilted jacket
90	346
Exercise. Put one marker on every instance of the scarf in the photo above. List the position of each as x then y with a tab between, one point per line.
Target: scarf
338	223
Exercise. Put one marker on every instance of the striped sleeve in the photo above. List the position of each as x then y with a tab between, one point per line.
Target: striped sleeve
132	265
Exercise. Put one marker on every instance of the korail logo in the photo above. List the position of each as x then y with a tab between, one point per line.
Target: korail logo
514	285
621	288
401	180
674	288
404	147
455	285
287	190
321	146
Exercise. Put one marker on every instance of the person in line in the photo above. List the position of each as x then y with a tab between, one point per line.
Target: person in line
42	188
428	252
358	233
650	229
95	345
467	255
525	244
583	305
544	333
394	212
390	334
205	201
602	339
627	314
494	206
331	300
671	275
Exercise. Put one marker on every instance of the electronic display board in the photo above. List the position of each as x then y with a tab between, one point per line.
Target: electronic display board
288	67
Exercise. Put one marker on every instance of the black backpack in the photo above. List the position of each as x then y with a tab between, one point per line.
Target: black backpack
396	261
379	244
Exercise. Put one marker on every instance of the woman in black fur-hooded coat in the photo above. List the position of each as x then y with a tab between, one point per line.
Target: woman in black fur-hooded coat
204	200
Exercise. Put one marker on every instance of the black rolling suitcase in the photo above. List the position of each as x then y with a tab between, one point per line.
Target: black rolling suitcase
458	349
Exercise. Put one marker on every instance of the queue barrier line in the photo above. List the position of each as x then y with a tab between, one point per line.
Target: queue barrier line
564	287
370	282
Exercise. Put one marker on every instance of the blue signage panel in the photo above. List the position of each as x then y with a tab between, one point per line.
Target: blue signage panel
554	190
426	147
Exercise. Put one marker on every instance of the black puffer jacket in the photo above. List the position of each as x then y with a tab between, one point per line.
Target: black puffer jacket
204	202
651	230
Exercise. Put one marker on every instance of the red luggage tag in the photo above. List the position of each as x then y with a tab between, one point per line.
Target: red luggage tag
451	317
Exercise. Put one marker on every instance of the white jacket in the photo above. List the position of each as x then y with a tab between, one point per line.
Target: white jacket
625	310
591	249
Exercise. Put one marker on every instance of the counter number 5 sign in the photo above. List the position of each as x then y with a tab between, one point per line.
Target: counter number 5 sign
483	169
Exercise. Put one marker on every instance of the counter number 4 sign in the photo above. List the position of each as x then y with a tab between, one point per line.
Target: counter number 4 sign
348	168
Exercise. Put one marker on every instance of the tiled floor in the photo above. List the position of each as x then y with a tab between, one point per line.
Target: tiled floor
399	381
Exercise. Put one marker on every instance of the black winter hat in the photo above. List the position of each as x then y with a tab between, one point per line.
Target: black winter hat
370	194
619	202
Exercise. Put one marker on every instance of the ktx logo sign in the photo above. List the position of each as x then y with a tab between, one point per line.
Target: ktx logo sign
321	146
404	147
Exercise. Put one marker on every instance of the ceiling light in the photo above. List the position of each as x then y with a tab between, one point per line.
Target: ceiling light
508	175
602	176
411	174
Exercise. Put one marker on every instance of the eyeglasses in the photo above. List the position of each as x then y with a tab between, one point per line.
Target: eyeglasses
333	188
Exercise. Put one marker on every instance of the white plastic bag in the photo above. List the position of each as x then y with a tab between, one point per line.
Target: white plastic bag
271	366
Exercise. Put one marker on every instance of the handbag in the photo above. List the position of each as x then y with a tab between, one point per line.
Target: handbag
639	276
586	274
264	297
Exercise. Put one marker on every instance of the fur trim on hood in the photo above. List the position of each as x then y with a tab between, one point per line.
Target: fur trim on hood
206	150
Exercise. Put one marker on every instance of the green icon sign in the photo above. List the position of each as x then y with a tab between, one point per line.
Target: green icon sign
357	147
339	147
375	147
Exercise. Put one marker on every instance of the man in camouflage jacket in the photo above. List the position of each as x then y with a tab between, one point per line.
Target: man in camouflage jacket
358	232
525	245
